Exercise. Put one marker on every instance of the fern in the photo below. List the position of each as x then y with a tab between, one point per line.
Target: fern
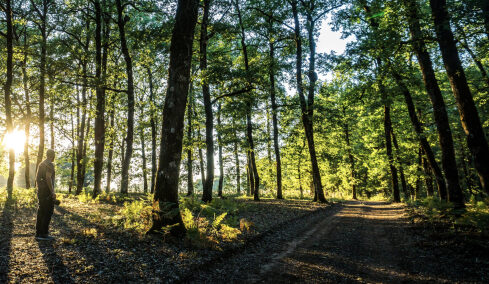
218	220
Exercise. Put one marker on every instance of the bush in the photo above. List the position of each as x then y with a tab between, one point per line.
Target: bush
209	224
21	197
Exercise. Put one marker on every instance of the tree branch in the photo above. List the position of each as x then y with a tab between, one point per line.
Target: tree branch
232	94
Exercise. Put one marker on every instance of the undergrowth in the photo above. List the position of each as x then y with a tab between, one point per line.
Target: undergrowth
21	198
474	218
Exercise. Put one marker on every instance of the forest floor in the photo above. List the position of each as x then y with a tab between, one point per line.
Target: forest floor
293	241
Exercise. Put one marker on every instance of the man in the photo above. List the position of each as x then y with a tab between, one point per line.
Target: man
46	196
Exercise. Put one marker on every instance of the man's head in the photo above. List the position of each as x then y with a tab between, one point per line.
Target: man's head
50	154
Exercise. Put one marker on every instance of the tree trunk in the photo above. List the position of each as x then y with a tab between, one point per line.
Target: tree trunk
153	129
42	82
201	158
190	174
219	142
439	109
428	178
249	175
84	153
28	116
276	146
469	116
401	169
130	99
100	107
307	107
418	179
143	153
111	152
209	117
80	176
166	188
236	158
249	105
73	154
8	93
350	156
440	180
388	147
51	120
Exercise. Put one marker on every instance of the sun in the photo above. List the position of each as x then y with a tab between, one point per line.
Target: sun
15	140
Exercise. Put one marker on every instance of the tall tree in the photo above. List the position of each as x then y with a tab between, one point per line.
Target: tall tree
152	121
469	116
28	114
42	13
219	144
190	175
121	22
276	146
307	107
209	117
100	105
439	108
254	176
166	188
8	92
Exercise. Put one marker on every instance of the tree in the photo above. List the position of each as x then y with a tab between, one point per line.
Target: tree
307	106
439	109
469	116
9	35
166	188
121	22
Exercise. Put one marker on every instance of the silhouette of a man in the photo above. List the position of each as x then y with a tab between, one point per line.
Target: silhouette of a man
45	195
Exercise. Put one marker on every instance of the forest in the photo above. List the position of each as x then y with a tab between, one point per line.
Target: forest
220	140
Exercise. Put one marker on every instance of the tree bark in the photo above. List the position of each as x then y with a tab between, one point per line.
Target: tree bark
201	158
469	116
190	174
401	169
42	82
80	176
100	105
8	94
219	143
440	180
439	108
153	129
28	116
73	154
273	100
428	178
111	152
350	155
166	188
209	117
249	127
130	99
307	107
236	158
143	153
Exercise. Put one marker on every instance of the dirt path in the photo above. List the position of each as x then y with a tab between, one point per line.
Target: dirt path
356	242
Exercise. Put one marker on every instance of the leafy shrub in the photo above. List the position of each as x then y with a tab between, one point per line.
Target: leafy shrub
136	215
208	224
21	197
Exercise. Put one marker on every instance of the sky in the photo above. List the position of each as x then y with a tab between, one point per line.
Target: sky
329	40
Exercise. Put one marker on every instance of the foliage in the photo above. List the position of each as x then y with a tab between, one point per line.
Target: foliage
208	224
474	217
21	197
